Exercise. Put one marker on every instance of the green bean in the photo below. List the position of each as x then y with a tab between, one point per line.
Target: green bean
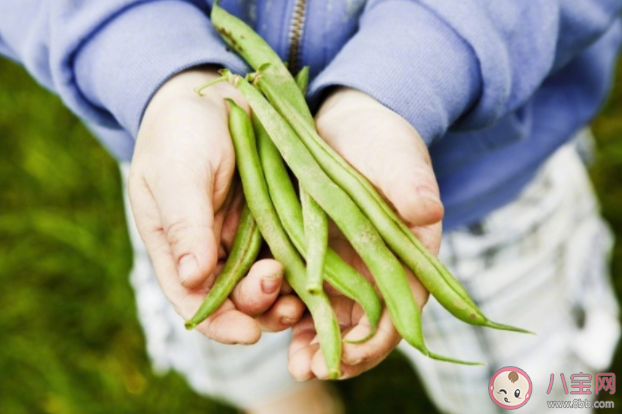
316	238
387	270
432	274
314	220
262	209
338	273
244	251
438	280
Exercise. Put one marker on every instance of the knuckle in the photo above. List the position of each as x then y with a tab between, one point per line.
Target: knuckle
180	233
176	230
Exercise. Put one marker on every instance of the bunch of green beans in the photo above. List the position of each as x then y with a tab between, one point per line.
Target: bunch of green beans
282	132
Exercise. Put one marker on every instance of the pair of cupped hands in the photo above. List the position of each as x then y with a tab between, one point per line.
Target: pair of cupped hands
187	205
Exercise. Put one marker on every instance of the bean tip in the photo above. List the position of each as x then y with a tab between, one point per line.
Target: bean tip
334	374
503	327
453	360
199	89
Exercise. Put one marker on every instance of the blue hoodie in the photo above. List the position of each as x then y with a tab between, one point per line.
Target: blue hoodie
493	86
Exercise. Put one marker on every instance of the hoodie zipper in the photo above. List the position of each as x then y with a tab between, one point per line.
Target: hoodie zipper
296	31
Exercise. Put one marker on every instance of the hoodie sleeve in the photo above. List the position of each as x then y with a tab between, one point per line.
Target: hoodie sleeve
462	64
106	58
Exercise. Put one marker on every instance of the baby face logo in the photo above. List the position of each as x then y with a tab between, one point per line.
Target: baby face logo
510	388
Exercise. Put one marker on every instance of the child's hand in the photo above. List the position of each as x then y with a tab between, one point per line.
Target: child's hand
187	209
390	153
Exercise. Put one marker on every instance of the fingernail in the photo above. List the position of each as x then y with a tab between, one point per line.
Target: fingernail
270	284
315	340
426	192
187	267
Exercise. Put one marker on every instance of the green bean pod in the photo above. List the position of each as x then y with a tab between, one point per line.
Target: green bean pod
315	221
387	270
432	274
338	273
316	238
262	209
275	76
244	251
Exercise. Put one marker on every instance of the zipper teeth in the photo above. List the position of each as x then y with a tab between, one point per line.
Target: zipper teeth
296	31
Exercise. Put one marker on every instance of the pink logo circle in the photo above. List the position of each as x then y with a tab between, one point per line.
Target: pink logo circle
510	388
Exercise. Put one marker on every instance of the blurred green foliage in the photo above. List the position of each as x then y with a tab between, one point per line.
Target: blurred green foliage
69	338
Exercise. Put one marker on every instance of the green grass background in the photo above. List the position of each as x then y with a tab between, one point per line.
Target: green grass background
69	339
